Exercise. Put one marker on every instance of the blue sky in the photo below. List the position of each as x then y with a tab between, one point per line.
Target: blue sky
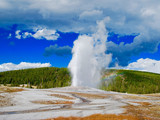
44	31
32	50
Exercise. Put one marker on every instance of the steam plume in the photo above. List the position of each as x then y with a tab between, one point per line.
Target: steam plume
89	57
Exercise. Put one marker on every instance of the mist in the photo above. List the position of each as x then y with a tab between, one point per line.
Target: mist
89	57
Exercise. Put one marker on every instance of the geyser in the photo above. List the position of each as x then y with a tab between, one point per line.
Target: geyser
88	57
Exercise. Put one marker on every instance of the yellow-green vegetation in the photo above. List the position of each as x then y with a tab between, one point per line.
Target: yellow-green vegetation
131	81
48	77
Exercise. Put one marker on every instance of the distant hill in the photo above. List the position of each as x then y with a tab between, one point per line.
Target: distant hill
113	80
47	77
131	81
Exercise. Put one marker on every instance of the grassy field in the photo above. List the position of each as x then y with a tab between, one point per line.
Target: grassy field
131	81
113	80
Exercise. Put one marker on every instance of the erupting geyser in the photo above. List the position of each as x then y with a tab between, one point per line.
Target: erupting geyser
89	57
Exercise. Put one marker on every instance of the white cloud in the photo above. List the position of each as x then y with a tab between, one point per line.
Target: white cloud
127	17
91	15
18	36
65	13
148	12
26	34
22	65
147	64
42	33
4	4
47	34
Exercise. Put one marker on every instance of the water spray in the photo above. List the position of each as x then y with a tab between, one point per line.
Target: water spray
89	57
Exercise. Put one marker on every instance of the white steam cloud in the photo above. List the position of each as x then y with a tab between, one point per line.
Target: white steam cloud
89	57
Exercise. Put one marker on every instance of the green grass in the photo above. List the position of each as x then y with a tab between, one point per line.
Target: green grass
133	82
122	81
48	77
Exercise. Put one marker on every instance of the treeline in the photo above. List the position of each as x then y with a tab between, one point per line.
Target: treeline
134	82
48	77
124	81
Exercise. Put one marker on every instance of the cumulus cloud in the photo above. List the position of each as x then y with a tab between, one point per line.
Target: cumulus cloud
127	17
147	64
91	15
22	65
26	35
42	33
17	34
4	4
57	50
47	34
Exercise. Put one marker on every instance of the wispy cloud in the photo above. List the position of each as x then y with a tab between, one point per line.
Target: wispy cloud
22	65
42	33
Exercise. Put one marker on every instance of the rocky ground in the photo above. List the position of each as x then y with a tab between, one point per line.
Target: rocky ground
28	104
